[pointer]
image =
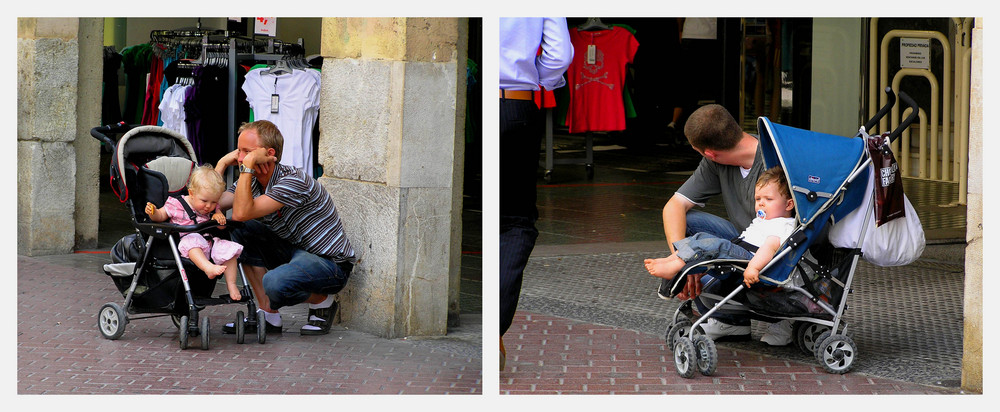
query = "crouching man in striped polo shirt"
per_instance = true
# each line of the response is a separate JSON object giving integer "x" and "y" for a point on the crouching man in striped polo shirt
{"x": 295, "y": 248}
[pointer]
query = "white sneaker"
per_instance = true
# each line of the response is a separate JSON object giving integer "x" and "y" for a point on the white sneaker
{"x": 778, "y": 334}
{"x": 716, "y": 330}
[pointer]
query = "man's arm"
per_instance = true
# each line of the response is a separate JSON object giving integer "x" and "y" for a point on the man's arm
{"x": 245, "y": 206}
{"x": 675, "y": 219}
{"x": 557, "y": 53}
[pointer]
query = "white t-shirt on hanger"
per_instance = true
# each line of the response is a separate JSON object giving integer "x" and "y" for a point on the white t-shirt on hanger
{"x": 297, "y": 109}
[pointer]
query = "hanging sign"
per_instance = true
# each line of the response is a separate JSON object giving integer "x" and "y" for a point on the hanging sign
{"x": 265, "y": 26}
{"x": 915, "y": 53}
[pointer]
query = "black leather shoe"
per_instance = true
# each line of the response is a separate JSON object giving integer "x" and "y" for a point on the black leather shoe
{"x": 230, "y": 328}
{"x": 322, "y": 325}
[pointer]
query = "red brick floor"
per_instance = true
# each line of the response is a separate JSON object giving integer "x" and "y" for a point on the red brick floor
{"x": 551, "y": 355}
{"x": 61, "y": 351}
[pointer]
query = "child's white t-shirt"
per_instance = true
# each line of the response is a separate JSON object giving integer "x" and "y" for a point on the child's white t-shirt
{"x": 760, "y": 229}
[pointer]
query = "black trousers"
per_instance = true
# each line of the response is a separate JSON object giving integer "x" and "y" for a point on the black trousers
{"x": 521, "y": 130}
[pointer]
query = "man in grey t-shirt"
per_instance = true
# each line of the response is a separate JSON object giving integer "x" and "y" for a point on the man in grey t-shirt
{"x": 731, "y": 165}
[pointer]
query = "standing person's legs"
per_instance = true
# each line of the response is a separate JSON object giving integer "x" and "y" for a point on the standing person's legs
{"x": 521, "y": 130}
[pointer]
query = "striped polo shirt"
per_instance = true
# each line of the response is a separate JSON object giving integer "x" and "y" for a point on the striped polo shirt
{"x": 308, "y": 218}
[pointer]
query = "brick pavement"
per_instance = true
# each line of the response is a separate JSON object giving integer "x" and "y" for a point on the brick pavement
{"x": 60, "y": 351}
{"x": 553, "y": 355}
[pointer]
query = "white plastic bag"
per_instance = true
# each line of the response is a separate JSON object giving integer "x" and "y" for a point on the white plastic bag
{"x": 897, "y": 242}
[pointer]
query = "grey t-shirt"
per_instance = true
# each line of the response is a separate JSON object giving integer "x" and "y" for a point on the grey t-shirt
{"x": 711, "y": 178}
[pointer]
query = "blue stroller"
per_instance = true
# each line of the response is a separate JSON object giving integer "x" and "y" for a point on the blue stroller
{"x": 808, "y": 280}
{"x": 149, "y": 164}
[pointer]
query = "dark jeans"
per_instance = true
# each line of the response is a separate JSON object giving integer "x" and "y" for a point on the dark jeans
{"x": 521, "y": 130}
{"x": 293, "y": 273}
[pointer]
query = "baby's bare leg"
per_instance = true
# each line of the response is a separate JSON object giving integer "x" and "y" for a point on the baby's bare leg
{"x": 201, "y": 261}
{"x": 234, "y": 291}
{"x": 665, "y": 268}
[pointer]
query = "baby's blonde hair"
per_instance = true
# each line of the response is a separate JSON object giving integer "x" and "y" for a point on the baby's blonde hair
{"x": 205, "y": 180}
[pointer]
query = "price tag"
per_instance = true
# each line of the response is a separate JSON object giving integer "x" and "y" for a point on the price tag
{"x": 592, "y": 54}
{"x": 274, "y": 103}
{"x": 265, "y": 26}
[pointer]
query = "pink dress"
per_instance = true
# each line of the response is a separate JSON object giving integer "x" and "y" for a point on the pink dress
{"x": 219, "y": 250}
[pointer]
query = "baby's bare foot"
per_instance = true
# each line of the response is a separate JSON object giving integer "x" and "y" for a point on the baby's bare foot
{"x": 234, "y": 292}
{"x": 214, "y": 271}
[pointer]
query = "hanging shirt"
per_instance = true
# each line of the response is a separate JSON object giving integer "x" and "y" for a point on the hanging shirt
{"x": 596, "y": 77}
{"x": 172, "y": 109}
{"x": 297, "y": 98}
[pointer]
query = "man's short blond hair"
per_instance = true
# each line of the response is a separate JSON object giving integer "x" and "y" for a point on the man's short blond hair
{"x": 268, "y": 135}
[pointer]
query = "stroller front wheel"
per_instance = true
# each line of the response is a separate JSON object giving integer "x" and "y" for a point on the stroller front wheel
{"x": 111, "y": 321}
{"x": 708, "y": 355}
{"x": 685, "y": 357}
{"x": 836, "y": 353}
{"x": 677, "y": 330}
{"x": 183, "y": 329}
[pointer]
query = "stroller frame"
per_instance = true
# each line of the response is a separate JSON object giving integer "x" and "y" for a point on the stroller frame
{"x": 113, "y": 317}
{"x": 826, "y": 339}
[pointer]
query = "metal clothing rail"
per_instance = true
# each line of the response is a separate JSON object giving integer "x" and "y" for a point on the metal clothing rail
{"x": 224, "y": 48}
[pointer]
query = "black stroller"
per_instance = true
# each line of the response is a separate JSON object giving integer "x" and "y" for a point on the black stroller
{"x": 149, "y": 164}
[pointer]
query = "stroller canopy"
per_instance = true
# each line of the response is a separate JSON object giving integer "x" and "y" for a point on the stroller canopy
{"x": 817, "y": 166}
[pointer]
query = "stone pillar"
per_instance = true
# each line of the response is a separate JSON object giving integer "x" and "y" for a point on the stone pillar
{"x": 972, "y": 356}
{"x": 391, "y": 140}
{"x": 47, "y": 73}
{"x": 88, "y": 115}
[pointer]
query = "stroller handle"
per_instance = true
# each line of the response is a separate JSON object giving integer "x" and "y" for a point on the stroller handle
{"x": 890, "y": 101}
{"x": 101, "y": 132}
{"x": 909, "y": 119}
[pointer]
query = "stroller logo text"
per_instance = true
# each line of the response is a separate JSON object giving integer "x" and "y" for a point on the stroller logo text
{"x": 889, "y": 174}
{"x": 813, "y": 179}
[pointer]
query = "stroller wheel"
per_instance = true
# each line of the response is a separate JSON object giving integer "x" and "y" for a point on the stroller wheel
{"x": 807, "y": 336}
{"x": 685, "y": 357}
{"x": 836, "y": 353}
{"x": 261, "y": 327}
{"x": 205, "y": 336}
{"x": 677, "y": 330}
{"x": 241, "y": 327}
{"x": 176, "y": 319}
{"x": 183, "y": 329}
{"x": 111, "y": 321}
{"x": 708, "y": 355}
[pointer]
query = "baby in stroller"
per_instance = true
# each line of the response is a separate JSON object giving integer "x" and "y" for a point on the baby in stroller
{"x": 758, "y": 243}
{"x": 205, "y": 188}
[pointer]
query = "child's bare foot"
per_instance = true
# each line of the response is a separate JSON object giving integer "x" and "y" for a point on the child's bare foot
{"x": 664, "y": 268}
{"x": 213, "y": 271}
{"x": 234, "y": 292}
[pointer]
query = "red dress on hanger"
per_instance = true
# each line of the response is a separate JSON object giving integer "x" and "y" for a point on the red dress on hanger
{"x": 596, "y": 77}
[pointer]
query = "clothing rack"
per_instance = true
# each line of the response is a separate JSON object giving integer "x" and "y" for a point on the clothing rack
{"x": 224, "y": 48}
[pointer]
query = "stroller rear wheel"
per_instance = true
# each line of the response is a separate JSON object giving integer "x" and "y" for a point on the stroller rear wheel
{"x": 261, "y": 327}
{"x": 111, "y": 321}
{"x": 836, "y": 353}
{"x": 677, "y": 330}
{"x": 807, "y": 336}
{"x": 685, "y": 357}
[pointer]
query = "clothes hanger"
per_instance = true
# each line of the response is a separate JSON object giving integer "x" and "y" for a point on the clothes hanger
{"x": 593, "y": 24}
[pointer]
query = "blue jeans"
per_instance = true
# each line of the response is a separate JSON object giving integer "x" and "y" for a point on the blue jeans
{"x": 293, "y": 273}
{"x": 715, "y": 226}
{"x": 704, "y": 246}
